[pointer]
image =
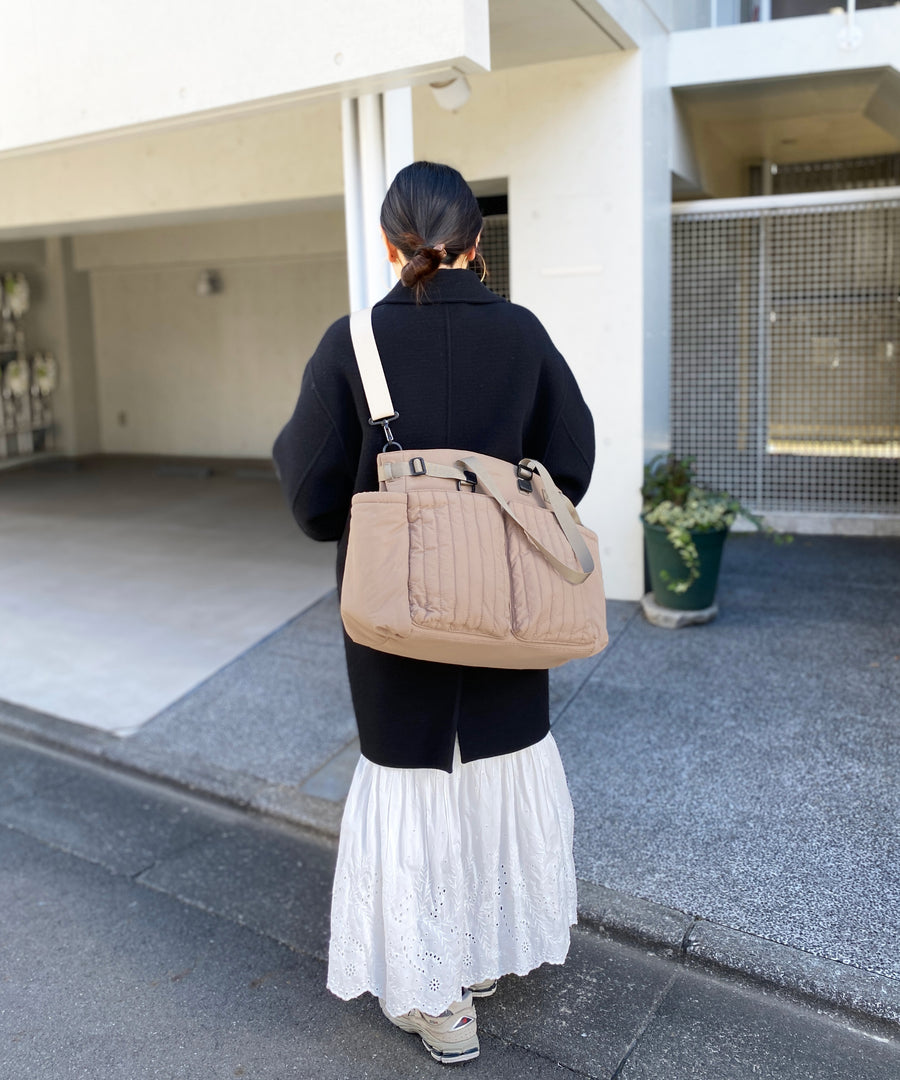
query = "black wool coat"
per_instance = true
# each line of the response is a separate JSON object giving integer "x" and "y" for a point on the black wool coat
{"x": 468, "y": 370}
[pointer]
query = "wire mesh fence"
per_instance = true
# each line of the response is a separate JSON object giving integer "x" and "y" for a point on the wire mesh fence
{"x": 495, "y": 249}
{"x": 786, "y": 376}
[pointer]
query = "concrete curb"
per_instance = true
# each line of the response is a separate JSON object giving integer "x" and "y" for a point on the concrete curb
{"x": 826, "y": 984}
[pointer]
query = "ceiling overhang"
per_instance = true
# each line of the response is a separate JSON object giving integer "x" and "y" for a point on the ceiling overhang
{"x": 809, "y": 118}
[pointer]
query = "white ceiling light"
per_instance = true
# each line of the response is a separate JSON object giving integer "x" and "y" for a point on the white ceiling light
{"x": 453, "y": 93}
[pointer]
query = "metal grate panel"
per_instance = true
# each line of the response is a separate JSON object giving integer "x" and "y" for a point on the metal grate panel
{"x": 495, "y": 249}
{"x": 786, "y": 379}
{"x": 838, "y": 175}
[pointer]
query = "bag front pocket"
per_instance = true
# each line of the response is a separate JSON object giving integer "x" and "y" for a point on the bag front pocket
{"x": 545, "y": 607}
{"x": 458, "y": 577}
{"x": 374, "y": 603}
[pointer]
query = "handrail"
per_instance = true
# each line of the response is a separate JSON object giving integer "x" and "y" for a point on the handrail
{"x": 757, "y": 203}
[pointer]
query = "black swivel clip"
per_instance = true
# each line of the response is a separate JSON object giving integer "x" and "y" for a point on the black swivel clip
{"x": 390, "y": 442}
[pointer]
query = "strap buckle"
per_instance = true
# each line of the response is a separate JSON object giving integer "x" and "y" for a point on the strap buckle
{"x": 470, "y": 479}
{"x": 524, "y": 476}
{"x": 417, "y": 466}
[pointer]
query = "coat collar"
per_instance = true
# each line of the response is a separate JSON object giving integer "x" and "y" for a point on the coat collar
{"x": 446, "y": 287}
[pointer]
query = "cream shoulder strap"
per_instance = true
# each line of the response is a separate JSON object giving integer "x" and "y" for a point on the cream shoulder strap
{"x": 375, "y": 386}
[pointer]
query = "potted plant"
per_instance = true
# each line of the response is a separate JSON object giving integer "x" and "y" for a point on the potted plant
{"x": 685, "y": 528}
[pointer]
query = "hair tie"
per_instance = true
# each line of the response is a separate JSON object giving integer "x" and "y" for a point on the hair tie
{"x": 441, "y": 250}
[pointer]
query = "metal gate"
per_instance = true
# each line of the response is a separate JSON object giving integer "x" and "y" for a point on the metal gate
{"x": 785, "y": 335}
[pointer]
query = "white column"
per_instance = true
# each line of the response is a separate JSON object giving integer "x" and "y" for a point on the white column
{"x": 377, "y": 141}
{"x": 353, "y": 205}
{"x": 398, "y": 130}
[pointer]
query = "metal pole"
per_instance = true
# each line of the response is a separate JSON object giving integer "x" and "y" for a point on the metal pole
{"x": 850, "y": 35}
{"x": 764, "y": 330}
{"x": 766, "y": 176}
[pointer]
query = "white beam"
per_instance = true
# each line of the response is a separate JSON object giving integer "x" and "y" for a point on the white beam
{"x": 783, "y": 48}
{"x": 137, "y": 65}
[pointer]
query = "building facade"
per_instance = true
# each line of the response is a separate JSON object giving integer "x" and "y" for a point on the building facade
{"x": 143, "y": 148}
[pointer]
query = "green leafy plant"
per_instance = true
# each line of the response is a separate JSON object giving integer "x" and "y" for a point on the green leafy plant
{"x": 673, "y": 499}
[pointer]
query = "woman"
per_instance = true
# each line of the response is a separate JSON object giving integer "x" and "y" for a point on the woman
{"x": 455, "y": 856}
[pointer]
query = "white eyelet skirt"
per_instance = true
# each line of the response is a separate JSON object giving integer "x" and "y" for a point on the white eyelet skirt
{"x": 447, "y": 879}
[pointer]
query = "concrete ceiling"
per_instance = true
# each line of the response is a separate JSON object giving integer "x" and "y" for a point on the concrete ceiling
{"x": 811, "y": 118}
{"x": 535, "y": 31}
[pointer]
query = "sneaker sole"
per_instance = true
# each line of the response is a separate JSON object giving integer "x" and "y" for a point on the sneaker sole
{"x": 487, "y": 992}
{"x": 446, "y": 1057}
{"x": 450, "y": 1057}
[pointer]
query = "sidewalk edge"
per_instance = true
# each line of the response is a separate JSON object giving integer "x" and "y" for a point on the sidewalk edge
{"x": 830, "y": 985}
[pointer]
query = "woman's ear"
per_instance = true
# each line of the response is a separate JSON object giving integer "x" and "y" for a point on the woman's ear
{"x": 470, "y": 254}
{"x": 391, "y": 250}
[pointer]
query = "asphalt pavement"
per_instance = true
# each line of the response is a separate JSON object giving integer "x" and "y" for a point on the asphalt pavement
{"x": 147, "y": 932}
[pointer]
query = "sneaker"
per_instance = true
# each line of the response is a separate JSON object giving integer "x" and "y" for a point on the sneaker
{"x": 450, "y": 1037}
{"x": 483, "y": 989}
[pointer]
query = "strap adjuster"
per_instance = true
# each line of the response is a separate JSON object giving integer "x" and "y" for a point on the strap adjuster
{"x": 470, "y": 479}
{"x": 524, "y": 476}
{"x": 417, "y": 466}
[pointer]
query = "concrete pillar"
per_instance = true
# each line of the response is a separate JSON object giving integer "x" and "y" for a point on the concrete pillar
{"x": 377, "y": 134}
{"x": 71, "y": 339}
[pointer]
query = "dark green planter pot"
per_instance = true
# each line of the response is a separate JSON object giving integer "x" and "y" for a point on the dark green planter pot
{"x": 662, "y": 556}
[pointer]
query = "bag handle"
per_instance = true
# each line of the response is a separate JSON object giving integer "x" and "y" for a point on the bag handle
{"x": 472, "y": 465}
{"x": 554, "y": 497}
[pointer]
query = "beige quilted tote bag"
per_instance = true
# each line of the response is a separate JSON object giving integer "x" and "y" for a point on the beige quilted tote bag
{"x": 462, "y": 558}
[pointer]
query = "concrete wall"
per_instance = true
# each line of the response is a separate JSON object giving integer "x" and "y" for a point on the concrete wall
{"x": 568, "y": 137}
{"x": 267, "y": 159}
{"x": 213, "y": 375}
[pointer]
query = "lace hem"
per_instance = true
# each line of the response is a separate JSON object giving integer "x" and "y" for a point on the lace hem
{"x": 446, "y": 879}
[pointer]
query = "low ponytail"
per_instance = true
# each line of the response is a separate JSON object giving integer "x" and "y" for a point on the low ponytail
{"x": 432, "y": 217}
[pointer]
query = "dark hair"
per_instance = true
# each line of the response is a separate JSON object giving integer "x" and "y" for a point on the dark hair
{"x": 431, "y": 215}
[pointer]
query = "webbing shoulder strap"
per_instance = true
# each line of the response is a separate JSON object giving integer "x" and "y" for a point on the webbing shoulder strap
{"x": 375, "y": 386}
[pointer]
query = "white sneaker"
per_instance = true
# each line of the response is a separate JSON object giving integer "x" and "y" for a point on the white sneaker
{"x": 450, "y": 1037}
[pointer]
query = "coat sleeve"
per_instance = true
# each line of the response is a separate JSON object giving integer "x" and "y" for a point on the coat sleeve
{"x": 316, "y": 453}
{"x": 560, "y": 431}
